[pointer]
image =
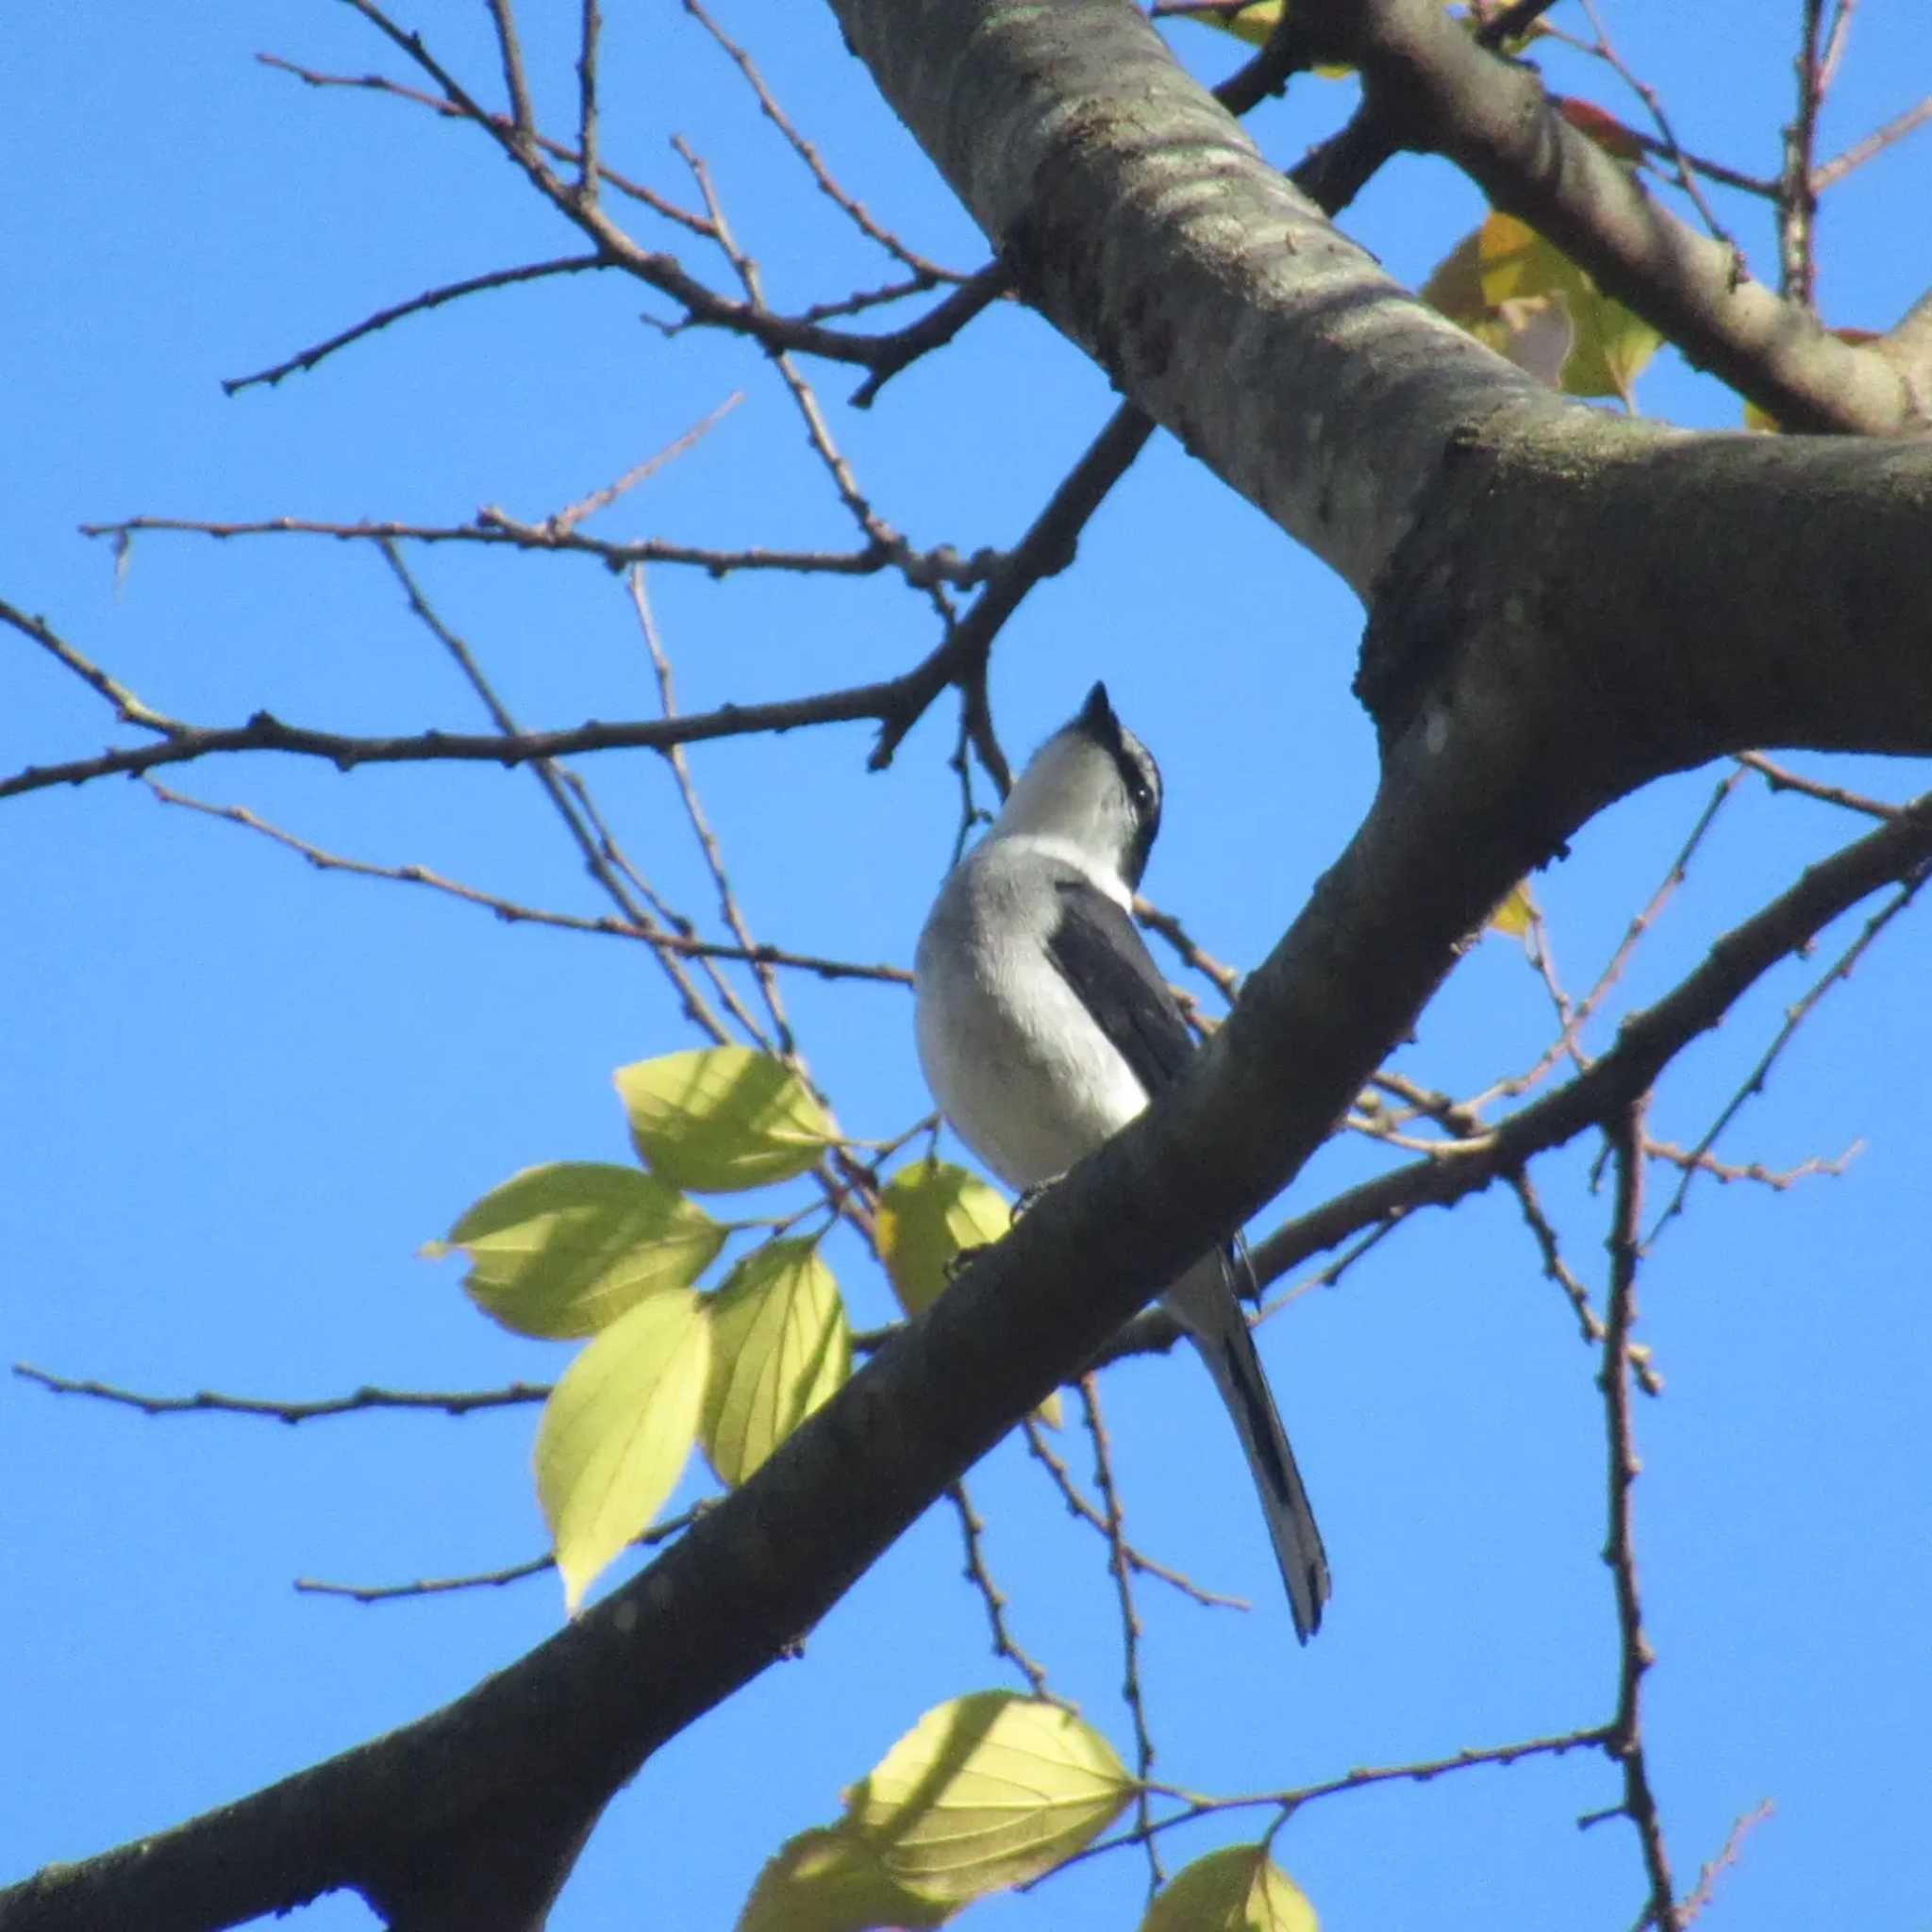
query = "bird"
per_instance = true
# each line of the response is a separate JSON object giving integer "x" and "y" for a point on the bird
{"x": 1043, "y": 1026}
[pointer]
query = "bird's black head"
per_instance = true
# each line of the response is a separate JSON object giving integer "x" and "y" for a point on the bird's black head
{"x": 1140, "y": 778}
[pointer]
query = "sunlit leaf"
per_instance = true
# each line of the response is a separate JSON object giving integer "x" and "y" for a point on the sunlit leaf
{"x": 1511, "y": 288}
{"x": 780, "y": 1348}
{"x": 722, "y": 1117}
{"x": 1256, "y": 22}
{"x": 929, "y": 1214}
{"x": 1516, "y": 913}
{"x": 1610, "y": 347}
{"x": 617, "y": 1432}
{"x": 1239, "y": 1888}
{"x": 1535, "y": 332}
{"x": 563, "y": 1250}
{"x": 832, "y": 1881}
{"x": 986, "y": 1791}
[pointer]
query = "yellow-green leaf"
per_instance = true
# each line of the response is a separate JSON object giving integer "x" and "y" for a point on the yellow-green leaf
{"x": 831, "y": 1881}
{"x": 1237, "y": 1890}
{"x": 1515, "y": 913}
{"x": 1610, "y": 345}
{"x": 617, "y": 1432}
{"x": 930, "y": 1214}
{"x": 563, "y": 1250}
{"x": 1511, "y": 288}
{"x": 722, "y": 1117}
{"x": 780, "y": 1348}
{"x": 1254, "y": 23}
{"x": 986, "y": 1791}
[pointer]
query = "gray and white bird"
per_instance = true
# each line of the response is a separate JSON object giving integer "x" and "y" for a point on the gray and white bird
{"x": 1044, "y": 1026}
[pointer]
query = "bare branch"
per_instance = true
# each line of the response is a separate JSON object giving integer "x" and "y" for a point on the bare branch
{"x": 486, "y": 1579}
{"x": 449, "y": 111}
{"x": 854, "y": 210}
{"x": 587, "y": 103}
{"x": 513, "y": 913}
{"x": 1079, "y": 1506}
{"x": 417, "y": 304}
{"x": 1701, "y": 1893}
{"x": 1121, "y": 1569}
{"x": 1829, "y": 173}
{"x": 1840, "y": 970}
{"x": 1624, "y": 1741}
{"x": 1797, "y": 183}
{"x": 1647, "y": 1043}
{"x": 972, "y": 1533}
{"x": 515, "y": 85}
{"x": 206, "y": 1402}
{"x": 567, "y": 519}
{"x": 1494, "y": 121}
{"x": 494, "y": 528}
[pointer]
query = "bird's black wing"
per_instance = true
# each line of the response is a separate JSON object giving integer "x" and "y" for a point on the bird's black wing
{"x": 1100, "y": 954}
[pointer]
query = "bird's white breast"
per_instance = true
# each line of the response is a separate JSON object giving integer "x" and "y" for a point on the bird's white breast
{"x": 1028, "y": 1080}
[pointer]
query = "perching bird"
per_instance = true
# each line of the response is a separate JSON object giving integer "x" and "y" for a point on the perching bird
{"x": 1044, "y": 1026}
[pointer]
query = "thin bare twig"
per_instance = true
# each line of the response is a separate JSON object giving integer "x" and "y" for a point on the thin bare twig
{"x": 556, "y": 788}
{"x": 1624, "y": 1741}
{"x": 495, "y": 528}
{"x": 573, "y": 514}
{"x": 416, "y": 304}
{"x": 1566, "y": 1041}
{"x": 449, "y": 111}
{"x": 1782, "y": 778}
{"x": 701, "y": 827}
{"x": 1797, "y": 211}
{"x": 1700, "y": 1894}
{"x": 587, "y": 102}
{"x": 1120, "y": 1571}
{"x": 1647, "y": 1041}
{"x": 1869, "y": 147}
{"x": 1423, "y": 1771}
{"x": 206, "y": 1402}
{"x": 1078, "y": 1505}
{"x": 1795, "y": 1016}
{"x": 523, "y": 119}
{"x": 931, "y": 272}
{"x": 485, "y": 1579}
{"x": 972, "y": 1533}
{"x": 513, "y": 913}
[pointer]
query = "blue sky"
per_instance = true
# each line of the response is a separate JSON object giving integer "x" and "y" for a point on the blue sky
{"x": 238, "y": 1096}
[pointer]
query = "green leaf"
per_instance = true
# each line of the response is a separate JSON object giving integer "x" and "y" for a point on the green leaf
{"x": 617, "y": 1432}
{"x": 1610, "y": 344}
{"x": 987, "y": 1791}
{"x": 1515, "y": 914}
{"x": 563, "y": 1250}
{"x": 780, "y": 1348}
{"x": 722, "y": 1117}
{"x": 1237, "y": 1890}
{"x": 1529, "y": 301}
{"x": 930, "y": 1214}
{"x": 831, "y": 1881}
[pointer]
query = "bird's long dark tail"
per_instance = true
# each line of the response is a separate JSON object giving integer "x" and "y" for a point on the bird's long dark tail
{"x": 1204, "y": 1303}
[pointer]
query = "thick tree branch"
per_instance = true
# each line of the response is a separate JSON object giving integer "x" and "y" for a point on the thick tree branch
{"x": 1437, "y": 89}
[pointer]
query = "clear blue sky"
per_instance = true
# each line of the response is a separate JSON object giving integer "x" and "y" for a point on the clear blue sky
{"x": 234, "y": 1096}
